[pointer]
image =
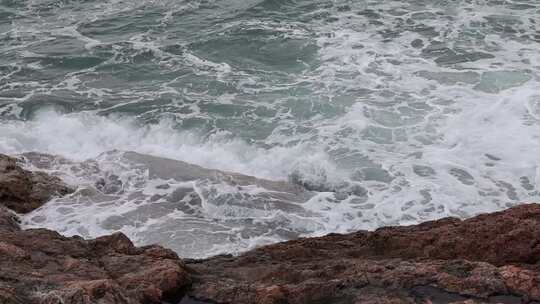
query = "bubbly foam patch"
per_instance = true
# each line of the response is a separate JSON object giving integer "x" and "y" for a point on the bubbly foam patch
{"x": 193, "y": 210}
{"x": 392, "y": 112}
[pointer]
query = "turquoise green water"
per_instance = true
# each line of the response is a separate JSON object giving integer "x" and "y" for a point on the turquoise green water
{"x": 402, "y": 111}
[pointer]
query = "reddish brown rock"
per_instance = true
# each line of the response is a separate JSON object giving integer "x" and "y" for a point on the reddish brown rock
{"x": 23, "y": 191}
{"x": 41, "y": 266}
{"x": 492, "y": 258}
{"x": 511, "y": 236}
{"x": 522, "y": 281}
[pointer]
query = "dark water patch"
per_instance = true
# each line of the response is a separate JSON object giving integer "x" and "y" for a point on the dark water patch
{"x": 424, "y": 30}
{"x": 455, "y": 57}
{"x": 423, "y": 171}
{"x": 151, "y": 106}
{"x": 303, "y": 108}
{"x": 509, "y": 189}
{"x": 526, "y": 183}
{"x": 436, "y": 49}
{"x": 61, "y": 103}
{"x": 120, "y": 26}
{"x": 257, "y": 130}
{"x": 369, "y": 13}
{"x": 463, "y": 176}
{"x": 377, "y": 174}
{"x": 258, "y": 48}
{"x": 126, "y": 76}
{"x": 174, "y": 49}
{"x": 273, "y": 5}
{"x": 492, "y": 157}
{"x": 444, "y": 55}
{"x": 496, "y": 81}
{"x": 12, "y": 3}
{"x": 59, "y": 46}
{"x": 66, "y": 64}
{"x": 5, "y": 16}
{"x": 521, "y": 6}
{"x": 504, "y": 24}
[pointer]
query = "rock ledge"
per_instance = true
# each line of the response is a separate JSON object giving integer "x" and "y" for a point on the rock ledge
{"x": 491, "y": 258}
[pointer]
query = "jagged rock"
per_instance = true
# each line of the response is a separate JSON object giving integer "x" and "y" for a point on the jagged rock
{"x": 481, "y": 238}
{"x": 23, "y": 191}
{"x": 491, "y": 258}
{"x": 41, "y": 266}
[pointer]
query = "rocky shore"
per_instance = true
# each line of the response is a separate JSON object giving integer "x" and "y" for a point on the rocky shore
{"x": 491, "y": 258}
{"x": 41, "y": 266}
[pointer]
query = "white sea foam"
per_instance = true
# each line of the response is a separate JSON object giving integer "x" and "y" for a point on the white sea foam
{"x": 397, "y": 112}
{"x": 85, "y": 135}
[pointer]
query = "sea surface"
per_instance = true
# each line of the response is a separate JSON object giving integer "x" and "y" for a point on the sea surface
{"x": 257, "y": 121}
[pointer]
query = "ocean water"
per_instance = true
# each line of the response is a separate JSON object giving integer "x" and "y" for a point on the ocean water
{"x": 258, "y": 121}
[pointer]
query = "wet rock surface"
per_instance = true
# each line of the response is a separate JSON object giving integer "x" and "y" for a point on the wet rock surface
{"x": 41, "y": 266}
{"x": 23, "y": 191}
{"x": 491, "y": 258}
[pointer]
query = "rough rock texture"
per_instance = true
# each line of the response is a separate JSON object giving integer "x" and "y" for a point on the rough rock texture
{"x": 23, "y": 191}
{"x": 8, "y": 221}
{"x": 492, "y": 258}
{"x": 41, "y": 266}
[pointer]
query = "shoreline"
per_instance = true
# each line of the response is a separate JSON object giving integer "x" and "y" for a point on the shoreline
{"x": 490, "y": 258}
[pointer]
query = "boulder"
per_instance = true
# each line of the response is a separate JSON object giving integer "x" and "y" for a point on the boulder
{"x": 41, "y": 266}
{"x": 22, "y": 190}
